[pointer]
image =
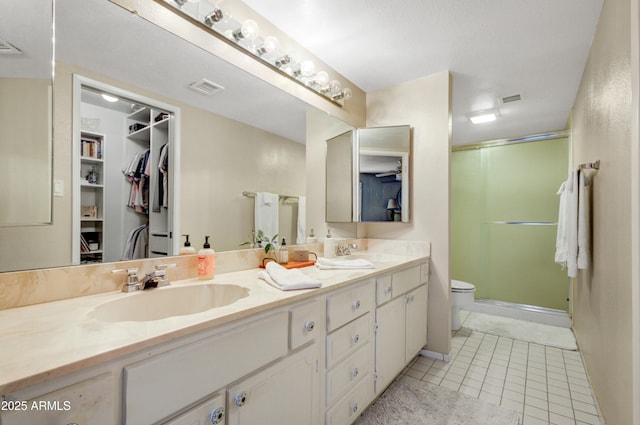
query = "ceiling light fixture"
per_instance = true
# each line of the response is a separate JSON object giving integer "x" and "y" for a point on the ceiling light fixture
{"x": 482, "y": 117}
{"x": 109, "y": 98}
{"x": 246, "y": 37}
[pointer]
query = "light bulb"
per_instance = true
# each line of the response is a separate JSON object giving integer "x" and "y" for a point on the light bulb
{"x": 335, "y": 86}
{"x": 322, "y": 78}
{"x": 347, "y": 93}
{"x": 249, "y": 30}
{"x": 214, "y": 17}
{"x": 271, "y": 44}
{"x": 306, "y": 68}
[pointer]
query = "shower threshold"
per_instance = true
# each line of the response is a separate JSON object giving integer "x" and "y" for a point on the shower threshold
{"x": 547, "y": 316}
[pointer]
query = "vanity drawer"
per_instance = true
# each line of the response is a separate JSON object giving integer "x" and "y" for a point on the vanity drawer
{"x": 173, "y": 380}
{"x": 307, "y": 322}
{"x": 348, "y": 372}
{"x": 348, "y": 408}
{"x": 159, "y": 244}
{"x": 383, "y": 289}
{"x": 348, "y": 339}
{"x": 405, "y": 280}
{"x": 348, "y": 304}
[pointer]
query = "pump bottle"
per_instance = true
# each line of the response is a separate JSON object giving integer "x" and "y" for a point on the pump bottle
{"x": 206, "y": 261}
{"x": 187, "y": 249}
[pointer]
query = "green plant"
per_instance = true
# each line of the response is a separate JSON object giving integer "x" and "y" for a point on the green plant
{"x": 258, "y": 238}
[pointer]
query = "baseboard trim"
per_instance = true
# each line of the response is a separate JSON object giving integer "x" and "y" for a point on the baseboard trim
{"x": 434, "y": 355}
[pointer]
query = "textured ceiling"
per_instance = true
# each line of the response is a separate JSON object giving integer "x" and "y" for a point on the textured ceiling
{"x": 493, "y": 48}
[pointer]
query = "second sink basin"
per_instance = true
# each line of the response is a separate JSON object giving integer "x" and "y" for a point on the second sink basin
{"x": 156, "y": 304}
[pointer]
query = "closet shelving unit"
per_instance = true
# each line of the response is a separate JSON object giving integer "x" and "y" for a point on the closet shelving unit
{"x": 92, "y": 156}
{"x": 153, "y": 134}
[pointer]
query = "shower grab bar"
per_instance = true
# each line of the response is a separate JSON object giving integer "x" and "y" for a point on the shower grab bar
{"x": 526, "y": 223}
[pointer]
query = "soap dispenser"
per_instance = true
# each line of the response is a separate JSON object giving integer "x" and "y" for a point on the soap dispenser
{"x": 283, "y": 253}
{"x": 187, "y": 249}
{"x": 312, "y": 237}
{"x": 206, "y": 261}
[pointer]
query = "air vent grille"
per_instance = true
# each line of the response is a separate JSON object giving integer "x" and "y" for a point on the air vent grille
{"x": 206, "y": 87}
{"x": 512, "y": 98}
{"x": 8, "y": 48}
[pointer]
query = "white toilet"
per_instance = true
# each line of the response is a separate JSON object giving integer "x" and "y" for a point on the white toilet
{"x": 461, "y": 295}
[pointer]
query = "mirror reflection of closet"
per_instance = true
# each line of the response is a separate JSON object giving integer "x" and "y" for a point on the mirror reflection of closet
{"x": 367, "y": 173}
{"x": 125, "y": 173}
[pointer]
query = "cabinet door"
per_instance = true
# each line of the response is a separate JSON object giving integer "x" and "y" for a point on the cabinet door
{"x": 285, "y": 393}
{"x": 416, "y": 330}
{"x": 85, "y": 403}
{"x": 390, "y": 342}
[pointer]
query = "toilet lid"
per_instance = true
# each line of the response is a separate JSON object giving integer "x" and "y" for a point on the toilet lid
{"x": 460, "y": 286}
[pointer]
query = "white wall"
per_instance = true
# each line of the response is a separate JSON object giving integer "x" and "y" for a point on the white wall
{"x": 425, "y": 104}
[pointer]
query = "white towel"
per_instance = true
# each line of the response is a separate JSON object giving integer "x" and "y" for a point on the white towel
{"x": 285, "y": 279}
{"x": 572, "y": 239}
{"x": 301, "y": 237}
{"x": 266, "y": 213}
{"x": 329, "y": 264}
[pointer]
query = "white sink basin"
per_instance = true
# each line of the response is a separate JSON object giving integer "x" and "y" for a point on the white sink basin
{"x": 156, "y": 304}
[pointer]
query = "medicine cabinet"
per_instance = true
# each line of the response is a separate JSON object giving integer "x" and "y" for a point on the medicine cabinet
{"x": 367, "y": 175}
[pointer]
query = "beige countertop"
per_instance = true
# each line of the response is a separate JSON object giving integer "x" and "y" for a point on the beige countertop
{"x": 44, "y": 341}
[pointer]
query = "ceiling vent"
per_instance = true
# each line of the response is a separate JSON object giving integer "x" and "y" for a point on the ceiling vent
{"x": 8, "y": 48}
{"x": 512, "y": 98}
{"x": 207, "y": 87}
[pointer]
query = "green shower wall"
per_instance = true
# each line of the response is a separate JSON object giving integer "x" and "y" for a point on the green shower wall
{"x": 514, "y": 183}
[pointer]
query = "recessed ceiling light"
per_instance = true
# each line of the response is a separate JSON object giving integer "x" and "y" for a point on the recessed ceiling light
{"x": 109, "y": 98}
{"x": 483, "y": 117}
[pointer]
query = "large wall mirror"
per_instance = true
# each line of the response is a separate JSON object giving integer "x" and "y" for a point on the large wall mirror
{"x": 249, "y": 136}
{"x": 368, "y": 175}
{"x": 26, "y": 59}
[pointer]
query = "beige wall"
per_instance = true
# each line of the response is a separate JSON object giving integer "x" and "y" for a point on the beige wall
{"x": 220, "y": 159}
{"x": 601, "y": 129}
{"x": 425, "y": 104}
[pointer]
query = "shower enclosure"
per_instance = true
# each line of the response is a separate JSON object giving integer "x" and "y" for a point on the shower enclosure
{"x": 504, "y": 214}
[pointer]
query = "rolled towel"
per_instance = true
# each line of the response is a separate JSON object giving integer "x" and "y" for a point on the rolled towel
{"x": 331, "y": 264}
{"x": 285, "y": 279}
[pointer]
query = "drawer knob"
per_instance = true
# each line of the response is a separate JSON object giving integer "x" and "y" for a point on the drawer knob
{"x": 354, "y": 407}
{"x": 310, "y": 325}
{"x": 217, "y": 416}
{"x": 355, "y": 338}
{"x": 356, "y": 304}
{"x": 354, "y": 372}
{"x": 241, "y": 399}
{"x": 387, "y": 290}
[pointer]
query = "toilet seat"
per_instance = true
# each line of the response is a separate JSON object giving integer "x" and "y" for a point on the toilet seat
{"x": 460, "y": 286}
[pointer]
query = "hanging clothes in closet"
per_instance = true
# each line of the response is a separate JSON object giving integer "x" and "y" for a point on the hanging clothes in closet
{"x": 162, "y": 188}
{"x": 137, "y": 172}
{"x": 137, "y": 243}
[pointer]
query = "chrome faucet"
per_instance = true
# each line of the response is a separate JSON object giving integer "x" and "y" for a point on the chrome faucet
{"x": 345, "y": 249}
{"x": 155, "y": 279}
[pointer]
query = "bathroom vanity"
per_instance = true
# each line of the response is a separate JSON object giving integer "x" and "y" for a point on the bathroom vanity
{"x": 268, "y": 356}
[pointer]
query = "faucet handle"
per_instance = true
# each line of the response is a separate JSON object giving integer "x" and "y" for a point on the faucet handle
{"x": 132, "y": 279}
{"x": 165, "y": 266}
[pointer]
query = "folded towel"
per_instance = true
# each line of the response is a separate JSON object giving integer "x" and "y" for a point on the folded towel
{"x": 285, "y": 279}
{"x": 329, "y": 264}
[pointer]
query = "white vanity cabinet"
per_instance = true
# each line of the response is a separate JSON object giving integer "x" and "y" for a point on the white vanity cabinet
{"x": 401, "y": 322}
{"x": 349, "y": 352}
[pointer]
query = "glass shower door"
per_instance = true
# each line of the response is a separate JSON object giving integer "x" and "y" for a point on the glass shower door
{"x": 505, "y": 210}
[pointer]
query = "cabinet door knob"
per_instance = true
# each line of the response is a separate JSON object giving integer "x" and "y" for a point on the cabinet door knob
{"x": 241, "y": 398}
{"x": 355, "y": 338}
{"x": 310, "y": 325}
{"x": 356, "y": 304}
{"x": 354, "y": 372}
{"x": 217, "y": 416}
{"x": 354, "y": 407}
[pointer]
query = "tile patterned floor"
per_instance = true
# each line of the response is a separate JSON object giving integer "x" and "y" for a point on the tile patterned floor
{"x": 545, "y": 385}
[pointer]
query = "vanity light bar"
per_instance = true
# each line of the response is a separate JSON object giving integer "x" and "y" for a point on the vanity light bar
{"x": 245, "y": 36}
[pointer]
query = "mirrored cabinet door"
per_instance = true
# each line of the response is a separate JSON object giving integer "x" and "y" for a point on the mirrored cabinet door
{"x": 368, "y": 175}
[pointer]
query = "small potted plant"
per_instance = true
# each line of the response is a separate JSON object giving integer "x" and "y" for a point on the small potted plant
{"x": 260, "y": 240}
